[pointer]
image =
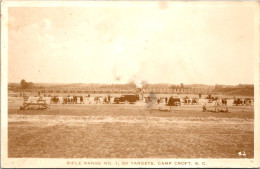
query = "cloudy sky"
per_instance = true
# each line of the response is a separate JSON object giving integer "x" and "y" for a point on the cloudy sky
{"x": 157, "y": 43}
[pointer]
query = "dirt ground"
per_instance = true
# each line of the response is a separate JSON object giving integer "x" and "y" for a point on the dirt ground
{"x": 129, "y": 131}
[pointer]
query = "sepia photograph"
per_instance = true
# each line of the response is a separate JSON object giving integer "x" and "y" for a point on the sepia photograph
{"x": 129, "y": 84}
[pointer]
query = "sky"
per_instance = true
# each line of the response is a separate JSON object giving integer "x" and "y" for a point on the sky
{"x": 157, "y": 43}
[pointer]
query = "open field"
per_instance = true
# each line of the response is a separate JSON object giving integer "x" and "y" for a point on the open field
{"x": 129, "y": 131}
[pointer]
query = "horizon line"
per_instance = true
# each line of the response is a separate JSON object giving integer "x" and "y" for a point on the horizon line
{"x": 136, "y": 83}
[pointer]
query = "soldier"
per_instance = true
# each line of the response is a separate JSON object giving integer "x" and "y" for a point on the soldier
{"x": 108, "y": 99}
{"x": 166, "y": 99}
{"x": 204, "y": 108}
{"x": 81, "y": 99}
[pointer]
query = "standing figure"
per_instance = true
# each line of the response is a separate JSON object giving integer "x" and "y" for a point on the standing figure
{"x": 108, "y": 99}
{"x": 158, "y": 101}
{"x": 81, "y": 99}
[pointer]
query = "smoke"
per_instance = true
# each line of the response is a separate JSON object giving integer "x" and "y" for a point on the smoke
{"x": 129, "y": 72}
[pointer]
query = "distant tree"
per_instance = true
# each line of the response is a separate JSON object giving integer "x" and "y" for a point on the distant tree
{"x": 29, "y": 84}
{"x": 25, "y": 85}
{"x": 182, "y": 86}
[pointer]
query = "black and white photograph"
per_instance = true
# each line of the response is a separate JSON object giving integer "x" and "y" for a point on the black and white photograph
{"x": 129, "y": 84}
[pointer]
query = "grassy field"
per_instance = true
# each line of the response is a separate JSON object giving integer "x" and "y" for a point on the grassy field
{"x": 129, "y": 131}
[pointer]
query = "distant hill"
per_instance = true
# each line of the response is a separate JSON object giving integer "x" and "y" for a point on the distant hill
{"x": 236, "y": 91}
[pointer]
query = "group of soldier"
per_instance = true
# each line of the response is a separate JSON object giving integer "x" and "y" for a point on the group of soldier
{"x": 80, "y": 99}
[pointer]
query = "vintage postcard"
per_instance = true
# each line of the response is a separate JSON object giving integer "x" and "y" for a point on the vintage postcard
{"x": 125, "y": 84}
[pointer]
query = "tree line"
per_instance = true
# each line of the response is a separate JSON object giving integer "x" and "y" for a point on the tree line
{"x": 26, "y": 85}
